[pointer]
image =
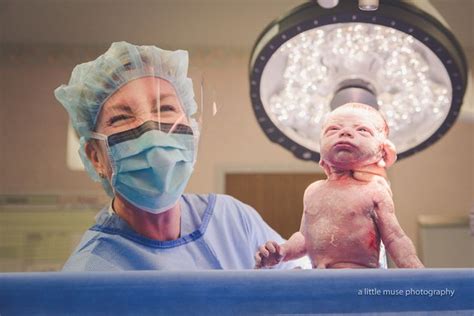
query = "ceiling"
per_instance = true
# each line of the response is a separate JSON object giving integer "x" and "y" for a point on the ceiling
{"x": 173, "y": 24}
{"x": 169, "y": 23}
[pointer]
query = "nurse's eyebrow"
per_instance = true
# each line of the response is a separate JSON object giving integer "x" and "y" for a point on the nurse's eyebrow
{"x": 121, "y": 107}
{"x": 165, "y": 95}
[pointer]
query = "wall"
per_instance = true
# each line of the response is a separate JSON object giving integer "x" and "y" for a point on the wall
{"x": 438, "y": 180}
{"x": 2, "y": 128}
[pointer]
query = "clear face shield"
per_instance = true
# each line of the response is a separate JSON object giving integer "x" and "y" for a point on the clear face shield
{"x": 146, "y": 101}
{"x": 148, "y": 133}
{"x": 138, "y": 114}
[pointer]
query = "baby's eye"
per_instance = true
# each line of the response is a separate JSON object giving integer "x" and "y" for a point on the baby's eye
{"x": 332, "y": 128}
{"x": 364, "y": 130}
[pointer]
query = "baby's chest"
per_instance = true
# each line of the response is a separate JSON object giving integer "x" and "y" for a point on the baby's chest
{"x": 340, "y": 200}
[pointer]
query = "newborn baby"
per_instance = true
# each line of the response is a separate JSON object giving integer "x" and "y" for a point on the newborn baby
{"x": 346, "y": 215}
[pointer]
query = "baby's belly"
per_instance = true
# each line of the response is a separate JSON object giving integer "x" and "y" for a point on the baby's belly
{"x": 350, "y": 241}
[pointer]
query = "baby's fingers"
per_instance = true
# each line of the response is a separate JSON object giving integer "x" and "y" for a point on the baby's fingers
{"x": 258, "y": 260}
{"x": 264, "y": 251}
{"x": 272, "y": 246}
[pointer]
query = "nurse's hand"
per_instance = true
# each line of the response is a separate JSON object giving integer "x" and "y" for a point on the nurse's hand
{"x": 269, "y": 255}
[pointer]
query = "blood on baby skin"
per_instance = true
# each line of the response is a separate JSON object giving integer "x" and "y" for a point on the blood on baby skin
{"x": 372, "y": 238}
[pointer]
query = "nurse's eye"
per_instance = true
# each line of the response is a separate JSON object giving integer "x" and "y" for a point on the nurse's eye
{"x": 118, "y": 118}
{"x": 167, "y": 108}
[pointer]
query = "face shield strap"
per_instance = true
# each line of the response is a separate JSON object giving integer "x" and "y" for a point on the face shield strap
{"x": 98, "y": 136}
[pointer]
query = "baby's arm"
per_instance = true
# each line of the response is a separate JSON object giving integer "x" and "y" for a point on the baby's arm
{"x": 271, "y": 253}
{"x": 294, "y": 248}
{"x": 398, "y": 245}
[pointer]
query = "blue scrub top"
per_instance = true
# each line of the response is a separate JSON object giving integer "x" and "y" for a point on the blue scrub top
{"x": 217, "y": 232}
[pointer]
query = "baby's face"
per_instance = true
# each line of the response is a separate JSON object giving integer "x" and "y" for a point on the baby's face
{"x": 352, "y": 138}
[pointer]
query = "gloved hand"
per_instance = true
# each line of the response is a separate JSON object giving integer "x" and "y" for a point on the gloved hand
{"x": 269, "y": 254}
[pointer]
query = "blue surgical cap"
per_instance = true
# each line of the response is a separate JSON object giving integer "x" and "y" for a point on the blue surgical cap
{"x": 92, "y": 83}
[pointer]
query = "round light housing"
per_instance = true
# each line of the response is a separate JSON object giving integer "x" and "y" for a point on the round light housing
{"x": 398, "y": 59}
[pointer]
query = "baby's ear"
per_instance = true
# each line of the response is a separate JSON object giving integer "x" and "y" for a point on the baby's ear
{"x": 389, "y": 154}
{"x": 325, "y": 167}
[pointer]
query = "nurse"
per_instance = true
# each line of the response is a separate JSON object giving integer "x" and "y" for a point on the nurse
{"x": 134, "y": 110}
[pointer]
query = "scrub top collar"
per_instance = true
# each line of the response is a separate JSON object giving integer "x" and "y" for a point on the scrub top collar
{"x": 107, "y": 221}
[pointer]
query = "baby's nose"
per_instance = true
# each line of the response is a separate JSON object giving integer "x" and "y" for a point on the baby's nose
{"x": 346, "y": 133}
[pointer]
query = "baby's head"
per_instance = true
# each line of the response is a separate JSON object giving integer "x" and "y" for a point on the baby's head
{"x": 354, "y": 135}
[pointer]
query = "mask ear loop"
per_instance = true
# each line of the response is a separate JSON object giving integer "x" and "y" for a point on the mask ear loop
{"x": 105, "y": 138}
{"x": 158, "y": 105}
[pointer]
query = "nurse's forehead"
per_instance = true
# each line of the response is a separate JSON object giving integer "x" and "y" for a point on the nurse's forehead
{"x": 135, "y": 88}
{"x": 151, "y": 84}
{"x": 165, "y": 86}
{"x": 132, "y": 93}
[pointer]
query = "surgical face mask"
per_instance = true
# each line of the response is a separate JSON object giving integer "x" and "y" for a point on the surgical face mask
{"x": 151, "y": 164}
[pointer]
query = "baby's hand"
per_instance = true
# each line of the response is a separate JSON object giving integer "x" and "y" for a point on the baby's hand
{"x": 269, "y": 255}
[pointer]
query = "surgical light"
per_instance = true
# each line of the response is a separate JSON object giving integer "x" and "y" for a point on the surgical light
{"x": 398, "y": 58}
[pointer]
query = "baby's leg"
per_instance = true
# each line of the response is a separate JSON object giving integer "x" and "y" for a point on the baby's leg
{"x": 348, "y": 265}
